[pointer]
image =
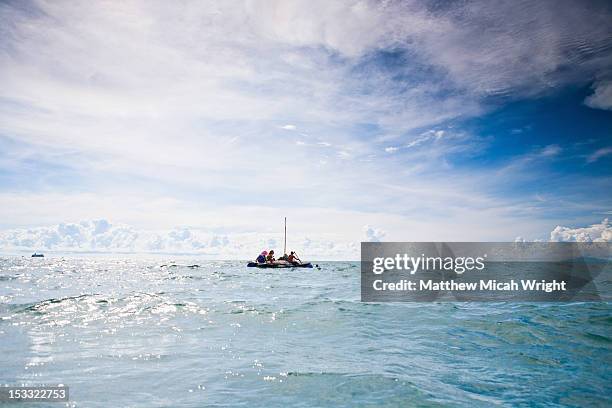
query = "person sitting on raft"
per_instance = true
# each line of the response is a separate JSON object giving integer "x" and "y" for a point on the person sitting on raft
{"x": 270, "y": 257}
{"x": 293, "y": 258}
{"x": 262, "y": 257}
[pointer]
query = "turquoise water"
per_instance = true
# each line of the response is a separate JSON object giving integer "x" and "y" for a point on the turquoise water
{"x": 132, "y": 333}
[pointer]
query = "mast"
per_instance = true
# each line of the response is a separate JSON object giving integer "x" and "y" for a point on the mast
{"x": 285, "y": 250}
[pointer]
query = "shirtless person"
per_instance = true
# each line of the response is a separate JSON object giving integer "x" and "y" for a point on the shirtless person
{"x": 293, "y": 258}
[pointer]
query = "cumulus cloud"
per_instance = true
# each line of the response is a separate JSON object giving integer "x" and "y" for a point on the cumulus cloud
{"x": 101, "y": 226}
{"x": 184, "y": 240}
{"x": 85, "y": 236}
{"x": 601, "y": 232}
{"x": 521, "y": 239}
{"x": 601, "y": 97}
{"x": 372, "y": 234}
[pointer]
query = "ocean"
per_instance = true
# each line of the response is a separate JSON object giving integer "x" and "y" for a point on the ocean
{"x": 192, "y": 333}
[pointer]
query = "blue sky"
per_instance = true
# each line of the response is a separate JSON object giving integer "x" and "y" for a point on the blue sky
{"x": 406, "y": 121}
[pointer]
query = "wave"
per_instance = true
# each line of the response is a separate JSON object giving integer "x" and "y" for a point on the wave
{"x": 94, "y": 306}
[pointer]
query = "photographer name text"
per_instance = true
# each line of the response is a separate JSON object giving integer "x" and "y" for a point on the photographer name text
{"x": 482, "y": 285}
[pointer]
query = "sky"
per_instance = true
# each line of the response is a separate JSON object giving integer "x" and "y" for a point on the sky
{"x": 195, "y": 127}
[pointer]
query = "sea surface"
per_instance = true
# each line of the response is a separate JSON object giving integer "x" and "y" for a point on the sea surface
{"x": 167, "y": 333}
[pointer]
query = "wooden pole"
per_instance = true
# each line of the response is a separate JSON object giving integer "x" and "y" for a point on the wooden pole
{"x": 285, "y": 251}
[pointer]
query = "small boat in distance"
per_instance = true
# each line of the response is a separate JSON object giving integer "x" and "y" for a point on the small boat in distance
{"x": 35, "y": 255}
{"x": 279, "y": 265}
{"x": 283, "y": 262}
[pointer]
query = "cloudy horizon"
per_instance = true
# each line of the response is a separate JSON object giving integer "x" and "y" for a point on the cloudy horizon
{"x": 104, "y": 237}
{"x": 196, "y": 127}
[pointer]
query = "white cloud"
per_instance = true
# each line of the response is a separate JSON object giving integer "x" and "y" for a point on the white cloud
{"x": 83, "y": 238}
{"x": 372, "y": 234}
{"x": 100, "y": 227}
{"x": 172, "y": 114}
{"x": 186, "y": 240}
{"x": 430, "y": 135}
{"x": 550, "y": 150}
{"x": 391, "y": 149}
{"x": 269, "y": 60}
{"x": 601, "y": 232}
{"x": 598, "y": 154}
{"x": 235, "y": 232}
{"x": 601, "y": 97}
